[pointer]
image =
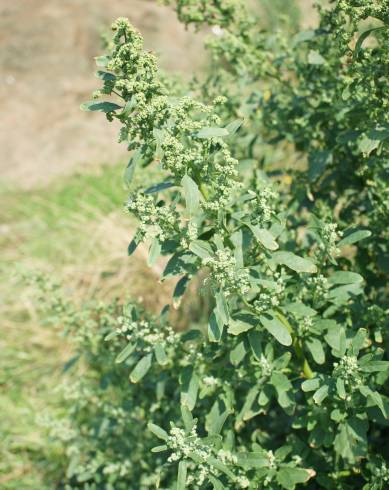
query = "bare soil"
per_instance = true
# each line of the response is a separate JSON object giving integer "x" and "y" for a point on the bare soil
{"x": 46, "y": 71}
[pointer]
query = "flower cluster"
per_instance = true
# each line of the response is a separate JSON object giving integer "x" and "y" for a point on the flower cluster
{"x": 330, "y": 236}
{"x": 348, "y": 370}
{"x": 160, "y": 222}
{"x": 263, "y": 205}
{"x": 225, "y": 274}
{"x": 146, "y": 333}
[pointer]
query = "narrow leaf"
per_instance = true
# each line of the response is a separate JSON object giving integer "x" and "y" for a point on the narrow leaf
{"x": 294, "y": 262}
{"x": 191, "y": 194}
{"x": 125, "y": 353}
{"x": 354, "y": 237}
{"x": 158, "y": 431}
{"x": 141, "y": 368}
{"x": 181, "y": 477}
{"x": 212, "y": 133}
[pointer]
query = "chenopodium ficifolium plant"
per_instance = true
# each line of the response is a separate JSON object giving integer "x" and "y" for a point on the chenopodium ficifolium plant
{"x": 286, "y": 389}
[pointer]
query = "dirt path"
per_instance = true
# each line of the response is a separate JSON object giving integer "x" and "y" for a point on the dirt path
{"x": 46, "y": 71}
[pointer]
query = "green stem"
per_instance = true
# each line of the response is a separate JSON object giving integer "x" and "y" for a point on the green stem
{"x": 204, "y": 191}
{"x": 298, "y": 348}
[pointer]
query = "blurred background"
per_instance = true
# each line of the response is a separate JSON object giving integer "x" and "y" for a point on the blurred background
{"x": 61, "y": 190}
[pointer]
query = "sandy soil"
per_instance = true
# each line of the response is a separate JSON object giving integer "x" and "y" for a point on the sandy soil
{"x": 46, "y": 71}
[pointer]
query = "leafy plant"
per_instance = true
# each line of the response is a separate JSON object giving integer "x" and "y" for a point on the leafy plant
{"x": 285, "y": 385}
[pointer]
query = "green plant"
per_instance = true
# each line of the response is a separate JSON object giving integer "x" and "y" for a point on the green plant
{"x": 285, "y": 385}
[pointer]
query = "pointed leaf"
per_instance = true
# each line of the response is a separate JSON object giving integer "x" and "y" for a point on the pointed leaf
{"x": 99, "y": 106}
{"x": 181, "y": 477}
{"x": 125, "y": 353}
{"x": 201, "y": 248}
{"x": 158, "y": 431}
{"x": 212, "y": 133}
{"x": 141, "y": 368}
{"x": 294, "y": 262}
{"x": 191, "y": 194}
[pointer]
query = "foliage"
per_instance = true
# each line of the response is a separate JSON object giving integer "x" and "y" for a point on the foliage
{"x": 285, "y": 385}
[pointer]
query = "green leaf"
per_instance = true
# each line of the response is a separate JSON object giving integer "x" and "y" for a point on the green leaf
{"x": 345, "y": 277}
{"x": 366, "y": 145}
{"x": 375, "y": 367}
{"x": 238, "y": 353}
{"x": 125, "y": 353}
{"x": 276, "y": 328}
{"x": 316, "y": 349}
{"x": 264, "y": 237}
{"x": 105, "y": 76}
{"x": 350, "y": 442}
{"x": 294, "y": 262}
{"x": 342, "y": 294}
{"x": 99, "y": 106}
{"x": 250, "y": 407}
{"x": 191, "y": 194}
{"x": 375, "y": 397}
{"x": 189, "y": 387}
{"x": 181, "y": 477}
{"x": 321, "y": 394}
{"x": 130, "y": 169}
{"x": 158, "y": 431}
{"x": 180, "y": 263}
{"x": 288, "y": 477}
{"x": 215, "y": 328}
{"x": 187, "y": 417}
{"x": 241, "y": 323}
{"x": 160, "y": 355}
{"x": 354, "y": 237}
{"x": 234, "y": 126}
{"x": 310, "y": 384}
{"x": 159, "y": 187}
{"x": 237, "y": 239}
{"x": 336, "y": 339}
{"x": 255, "y": 343}
{"x": 206, "y": 133}
{"x": 303, "y": 36}
{"x": 141, "y": 369}
{"x": 179, "y": 291}
{"x": 315, "y": 58}
{"x": 154, "y": 252}
{"x": 283, "y": 388}
{"x": 222, "y": 307}
{"x": 130, "y": 105}
{"x": 340, "y": 388}
{"x": 358, "y": 341}
{"x": 216, "y": 418}
{"x": 253, "y": 460}
{"x": 133, "y": 245}
{"x": 300, "y": 310}
{"x": 362, "y": 37}
{"x": 220, "y": 466}
{"x": 217, "y": 484}
{"x": 159, "y": 449}
{"x": 102, "y": 61}
{"x": 201, "y": 248}
{"x": 318, "y": 162}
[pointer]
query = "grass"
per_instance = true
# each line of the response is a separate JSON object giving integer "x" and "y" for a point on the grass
{"x": 74, "y": 231}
